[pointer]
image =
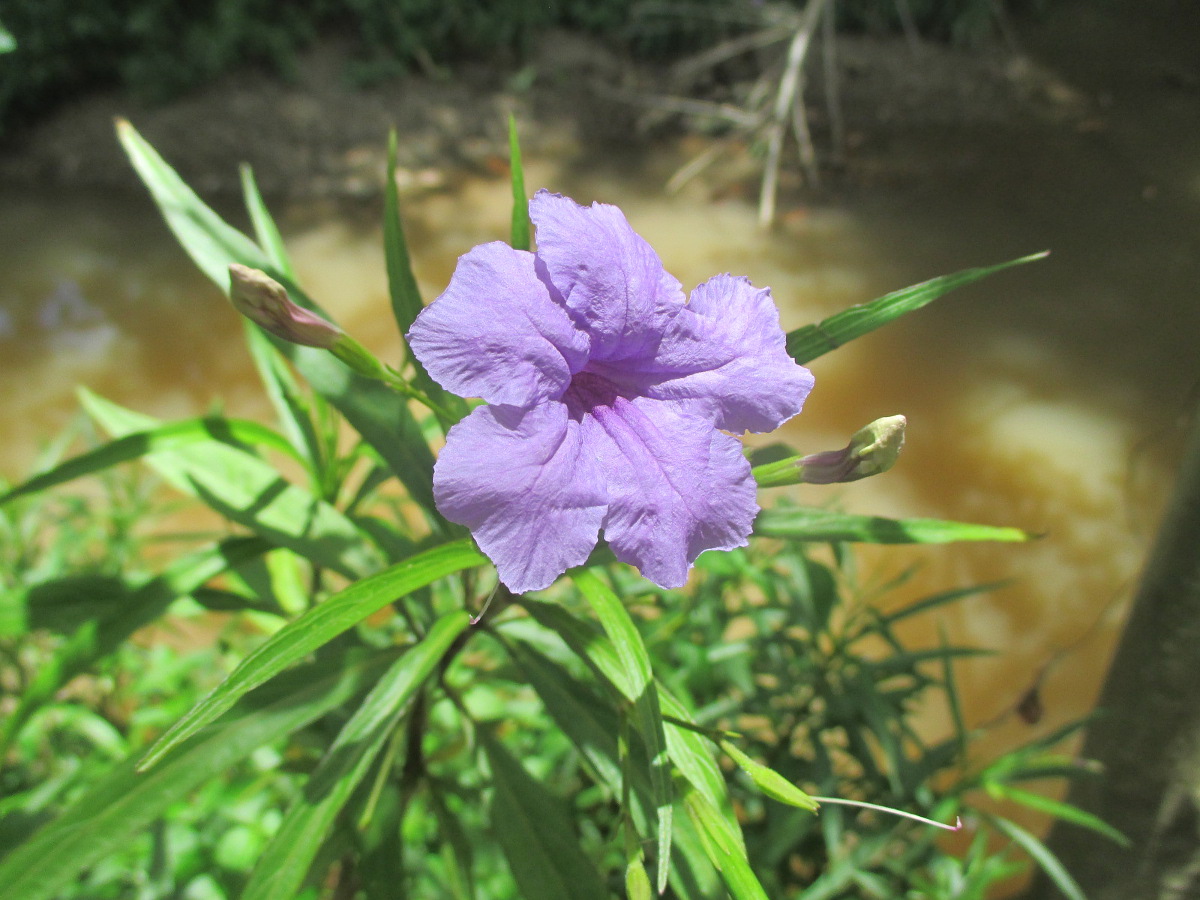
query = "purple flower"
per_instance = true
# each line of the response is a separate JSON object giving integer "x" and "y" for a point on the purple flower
{"x": 609, "y": 398}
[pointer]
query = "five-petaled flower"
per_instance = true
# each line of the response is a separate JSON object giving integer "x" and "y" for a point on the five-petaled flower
{"x": 609, "y": 398}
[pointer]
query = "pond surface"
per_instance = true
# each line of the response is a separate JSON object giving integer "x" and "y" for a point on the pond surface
{"x": 1050, "y": 396}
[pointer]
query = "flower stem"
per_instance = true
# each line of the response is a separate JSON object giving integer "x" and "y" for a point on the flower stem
{"x": 957, "y": 826}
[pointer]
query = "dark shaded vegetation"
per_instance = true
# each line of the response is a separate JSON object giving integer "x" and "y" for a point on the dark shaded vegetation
{"x": 158, "y": 49}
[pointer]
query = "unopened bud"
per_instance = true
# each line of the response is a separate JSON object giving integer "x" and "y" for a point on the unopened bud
{"x": 872, "y": 450}
{"x": 264, "y": 301}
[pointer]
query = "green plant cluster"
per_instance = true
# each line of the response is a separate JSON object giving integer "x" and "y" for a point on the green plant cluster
{"x": 376, "y": 716}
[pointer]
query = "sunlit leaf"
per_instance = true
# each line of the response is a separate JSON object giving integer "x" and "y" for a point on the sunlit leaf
{"x": 724, "y": 849}
{"x": 266, "y": 232}
{"x": 252, "y": 493}
{"x": 807, "y": 343}
{"x": 239, "y": 433}
{"x": 810, "y": 524}
{"x": 280, "y": 870}
{"x": 639, "y": 689}
{"x": 520, "y": 212}
{"x": 319, "y": 625}
{"x": 377, "y": 413}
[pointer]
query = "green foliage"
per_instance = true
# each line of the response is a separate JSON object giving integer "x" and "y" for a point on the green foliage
{"x": 354, "y": 729}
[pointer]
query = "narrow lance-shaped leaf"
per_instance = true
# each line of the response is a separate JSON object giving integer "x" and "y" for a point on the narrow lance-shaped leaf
{"x": 248, "y": 491}
{"x": 406, "y": 295}
{"x": 265, "y": 230}
{"x": 402, "y": 284}
{"x": 291, "y": 407}
{"x": 120, "y": 805}
{"x": 1041, "y": 854}
{"x": 520, "y": 212}
{"x": 640, "y": 690}
{"x": 807, "y": 524}
{"x": 316, "y": 627}
{"x": 238, "y": 433}
{"x": 723, "y": 848}
{"x": 536, "y": 834}
{"x": 378, "y": 413}
{"x": 280, "y": 870}
{"x": 807, "y": 343}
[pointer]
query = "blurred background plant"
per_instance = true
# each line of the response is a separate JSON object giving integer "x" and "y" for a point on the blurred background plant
{"x": 330, "y": 721}
{"x": 157, "y": 49}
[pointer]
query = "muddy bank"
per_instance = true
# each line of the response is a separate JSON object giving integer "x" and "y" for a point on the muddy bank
{"x": 319, "y": 138}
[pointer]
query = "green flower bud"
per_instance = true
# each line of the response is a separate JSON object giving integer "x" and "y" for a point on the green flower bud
{"x": 872, "y": 450}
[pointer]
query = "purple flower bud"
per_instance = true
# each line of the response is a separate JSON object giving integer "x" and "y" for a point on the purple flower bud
{"x": 872, "y": 450}
{"x": 264, "y": 301}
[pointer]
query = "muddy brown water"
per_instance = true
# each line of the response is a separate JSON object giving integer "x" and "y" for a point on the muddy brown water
{"x": 1049, "y": 397}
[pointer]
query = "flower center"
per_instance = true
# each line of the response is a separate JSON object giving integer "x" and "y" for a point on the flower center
{"x": 589, "y": 394}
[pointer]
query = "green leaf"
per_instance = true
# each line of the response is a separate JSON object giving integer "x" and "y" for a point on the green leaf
{"x": 593, "y": 647}
{"x": 95, "y": 639}
{"x": 379, "y": 414}
{"x": 404, "y": 292}
{"x": 724, "y": 848}
{"x": 265, "y": 229}
{"x": 318, "y": 626}
{"x": 281, "y": 869}
{"x": 402, "y": 284}
{"x": 691, "y": 752}
{"x": 208, "y": 240}
{"x": 589, "y": 724}
{"x": 251, "y": 492}
{"x": 536, "y": 833}
{"x": 1060, "y": 810}
{"x": 768, "y": 780}
{"x": 238, "y": 433}
{"x": 520, "y": 213}
{"x": 7, "y": 42}
{"x": 119, "y": 806}
{"x": 941, "y": 599}
{"x": 807, "y": 343}
{"x": 808, "y": 524}
{"x": 638, "y": 686}
{"x": 291, "y": 407}
{"x": 1041, "y": 854}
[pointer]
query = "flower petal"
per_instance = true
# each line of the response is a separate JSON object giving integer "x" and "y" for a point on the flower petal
{"x": 676, "y": 486}
{"x": 525, "y": 485}
{"x": 611, "y": 280}
{"x": 496, "y": 333}
{"x": 723, "y": 358}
